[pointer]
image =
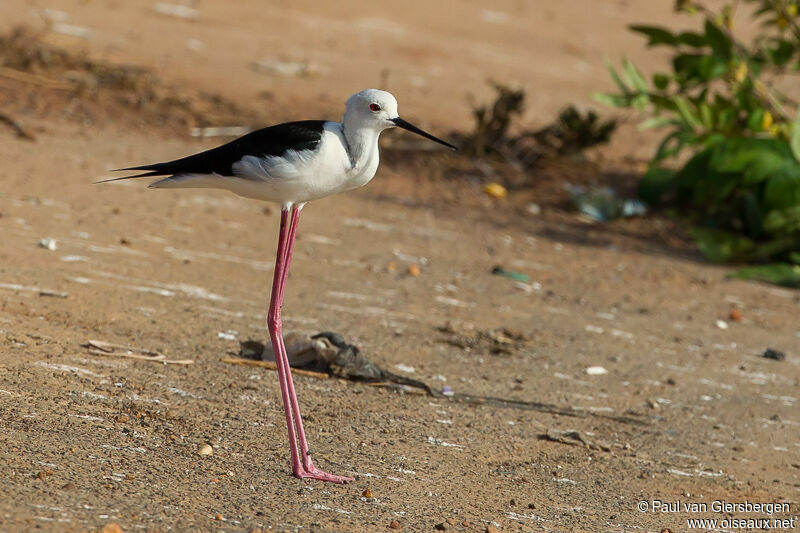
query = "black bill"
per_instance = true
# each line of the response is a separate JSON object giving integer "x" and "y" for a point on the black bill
{"x": 400, "y": 123}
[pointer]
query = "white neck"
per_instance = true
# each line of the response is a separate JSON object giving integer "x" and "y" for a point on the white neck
{"x": 362, "y": 143}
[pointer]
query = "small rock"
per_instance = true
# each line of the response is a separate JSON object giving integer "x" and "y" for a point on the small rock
{"x": 735, "y": 315}
{"x": 112, "y": 528}
{"x": 440, "y": 527}
{"x": 596, "y": 371}
{"x": 666, "y": 530}
{"x": 495, "y": 190}
{"x": 395, "y": 525}
{"x": 49, "y": 244}
{"x": 218, "y": 517}
{"x": 491, "y": 528}
{"x": 451, "y": 521}
{"x": 533, "y": 209}
{"x": 413, "y": 270}
{"x": 721, "y": 324}
{"x": 205, "y": 449}
{"x": 775, "y": 355}
{"x": 367, "y": 493}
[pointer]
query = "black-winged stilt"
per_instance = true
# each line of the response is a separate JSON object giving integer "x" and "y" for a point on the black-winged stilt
{"x": 292, "y": 164}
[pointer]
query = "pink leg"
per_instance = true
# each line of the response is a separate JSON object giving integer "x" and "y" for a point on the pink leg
{"x": 294, "y": 421}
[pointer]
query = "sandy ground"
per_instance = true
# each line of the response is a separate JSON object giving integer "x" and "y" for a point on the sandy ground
{"x": 687, "y": 410}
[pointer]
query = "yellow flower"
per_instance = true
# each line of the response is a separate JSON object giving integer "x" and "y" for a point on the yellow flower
{"x": 766, "y": 122}
{"x": 791, "y": 10}
{"x": 741, "y": 72}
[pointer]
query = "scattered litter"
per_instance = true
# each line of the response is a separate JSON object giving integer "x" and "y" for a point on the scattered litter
{"x": 228, "y": 335}
{"x": 454, "y": 302}
{"x": 495, "y": 190}
{"x": 721, "y": 324}
{"x": 176, "y": 10}
{"x": 440, "y": 442}
{"x": 404, "y": 368}
{"x": 205, "y": 449}
{"x": 73, "y": 258}
{"x": 574, "y": 438}
{"x": 517, "y": 276}
{"x": 448, "y": 390}
{"x": 48, "y": 243}
{"x": 596, "y": 371}
{"x": 320, "y": 507}
{"x": 775, "y": 355}
{"x": 116, "y": 350}
{"x": 593, "y": 329}
{"x": 602, "y": 203}
{"x": 495, "y": 341}
{"x": 53, "y": 294}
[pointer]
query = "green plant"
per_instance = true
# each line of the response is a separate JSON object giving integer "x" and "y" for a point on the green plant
{"x": 722, "y": 103}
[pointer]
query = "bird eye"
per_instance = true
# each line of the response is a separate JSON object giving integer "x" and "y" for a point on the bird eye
{"x": 375, "y": 107}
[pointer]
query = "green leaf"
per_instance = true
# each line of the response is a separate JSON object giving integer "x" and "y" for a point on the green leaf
{"x": 655, "y": 35}
{"x": 660, "y": 81}
{"x": 682, "y": 106}
{"x": 634, "y": 77}
{"x": 706, "y": 115}
{"x": 782, "y": 190}
{"x": 722, "y": 246}
{"x": 783, "y": 221}
{"x": 782, "y": 52}
{"x": 692, "y": 39}
{"x": 656, "y": 183}
{"x": 794, "y": 141}
{"x": 720, "y": 43}
{"x": 611, "y": 100}
{"x": 782, "y": 274}
{"x": 656, "y": 122}
{"x": 615, "y": 77}
{"x": 755, "y": 160}
{"x": 755, "y": 120}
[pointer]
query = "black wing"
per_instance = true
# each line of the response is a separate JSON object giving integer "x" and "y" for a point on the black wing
{"x": 271, "y": 141}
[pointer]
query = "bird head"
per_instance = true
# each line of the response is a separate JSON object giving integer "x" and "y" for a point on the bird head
{"x": 377, "y": 109}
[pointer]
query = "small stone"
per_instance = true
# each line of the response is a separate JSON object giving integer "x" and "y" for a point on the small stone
{"x": 218, "y": 517}
{"x": 466, "y": 523}
{"x": 666, "y": 530}
{"x": 495, "y": 190}
{"x": 735, "y": 315}
{"x": 440, "y": 527}
{"x": 125, "y": 242}
{"x": 769, "y": 353}
{"x": 721, "y": 324}
{"x": 531, "y": 506}
{"x": 391, "y": 266}
{"x": 451, "y": 521}
{"x": 367, "y": 493}
{"x": 395, "y": 525}
{"x": 413, "y": 270}
{"x": 596, "y": 371}
{"x": 112, "y": 528}
{"x": 205, "y": 449}
{"x": 491, "y": 528}
{"x": 68, "y": 486}
{"x": 49, "y": 244}
{"x": 533, "y": 209}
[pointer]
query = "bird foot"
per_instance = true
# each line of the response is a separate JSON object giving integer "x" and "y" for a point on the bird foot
{"x": 315, "y": 473}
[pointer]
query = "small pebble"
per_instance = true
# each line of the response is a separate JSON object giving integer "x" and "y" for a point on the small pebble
{"x": 218, "y": 517}
{"x": 112, "y": 528}
{"x": 205, "y": 449}
{"x": 735, "y": 315}
{"x": 769, "y": 353}
{"x": 495, "y": 190}
{"x": 413, "y": 270}
{"x": 49, "y": 243}
{"x": 596, "y": 371}
{"x": 395, "y": 525}
{"x": 440, "y": 527}
{"x": 491, "y": 528}
{"x": 367, "y": 493}
{"x": 721, "y": 324}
